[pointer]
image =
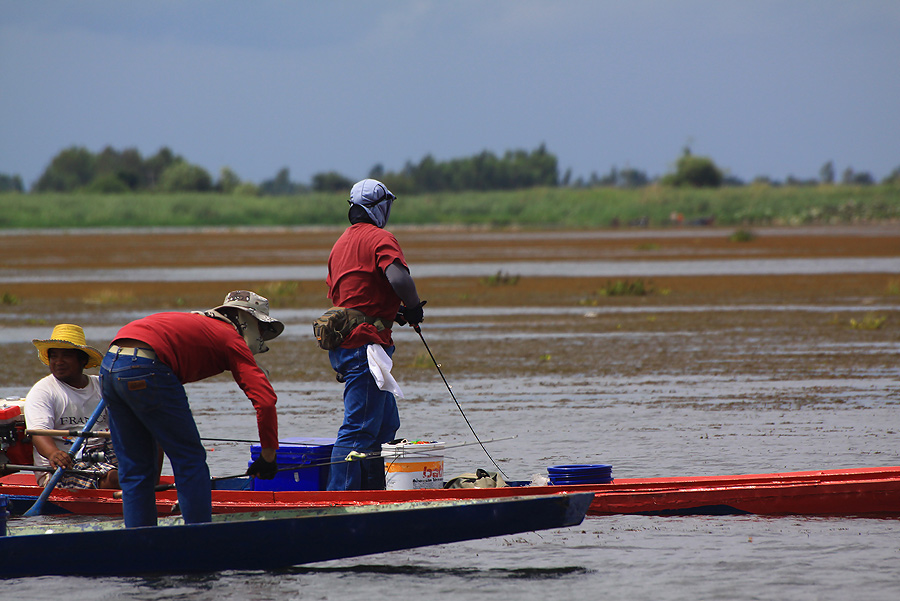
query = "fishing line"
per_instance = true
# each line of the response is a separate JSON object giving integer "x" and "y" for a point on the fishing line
{"x": 351, "y": 457}
{"x": 453, "y": 396}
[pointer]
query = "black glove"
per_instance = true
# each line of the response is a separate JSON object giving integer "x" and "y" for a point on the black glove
{"x": 411, "y": 315}
{"x": 262, "y": 469}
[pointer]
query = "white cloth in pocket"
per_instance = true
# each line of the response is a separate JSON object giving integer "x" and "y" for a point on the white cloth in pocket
{"x": 380, "y": 365}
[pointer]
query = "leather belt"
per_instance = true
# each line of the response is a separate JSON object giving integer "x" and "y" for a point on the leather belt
{"x": 133, "y": 352}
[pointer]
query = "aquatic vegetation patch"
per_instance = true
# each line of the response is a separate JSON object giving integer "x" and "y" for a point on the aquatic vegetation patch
{"x": 869, "y": 322}
{"x": 9, "y": 299}
{"x": 742, "y": 235}
{"x": 111, "y": 296}
{"x": 500, "y": 279}
{"x": 623, "y": 288}
{"x": 274, "y": 290}
{"x": 421, "y": 361}
{"x": 626, "y": 288}
{"x": 648, "y": 246}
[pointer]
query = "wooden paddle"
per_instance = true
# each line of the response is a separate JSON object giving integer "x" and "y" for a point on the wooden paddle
{"x": 58, "y": 474}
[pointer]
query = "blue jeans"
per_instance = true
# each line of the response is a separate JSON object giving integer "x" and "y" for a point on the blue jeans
{"x": 148, "y": 405}
{"x": 370, "y": 419}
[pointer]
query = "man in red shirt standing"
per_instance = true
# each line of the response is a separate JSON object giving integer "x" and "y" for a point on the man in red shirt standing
{"x": 142, "y": 378}
{"x": 367, "y": 272}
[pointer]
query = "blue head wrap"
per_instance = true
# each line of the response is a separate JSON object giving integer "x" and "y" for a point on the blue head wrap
{"x": 374, "y": 198}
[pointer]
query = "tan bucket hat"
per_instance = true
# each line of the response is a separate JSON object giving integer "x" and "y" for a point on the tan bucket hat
{"x": 258, "y": 307}
{"x": 66, "y": 335}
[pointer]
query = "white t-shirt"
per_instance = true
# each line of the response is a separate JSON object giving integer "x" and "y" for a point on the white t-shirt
{"x": 54, "y": 405}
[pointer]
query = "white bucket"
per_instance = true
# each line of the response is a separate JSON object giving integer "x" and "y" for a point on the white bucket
{"x": 413, "y": 465}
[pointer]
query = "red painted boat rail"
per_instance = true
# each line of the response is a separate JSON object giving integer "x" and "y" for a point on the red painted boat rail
{"x": 859, "y": 491}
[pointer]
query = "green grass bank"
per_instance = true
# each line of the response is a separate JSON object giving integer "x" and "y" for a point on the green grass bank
{"x": 654, "y": 206}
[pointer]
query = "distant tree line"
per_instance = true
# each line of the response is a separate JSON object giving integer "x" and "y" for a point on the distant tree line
{"x": 76, "y": 169}
{"x": 485, "y": 171}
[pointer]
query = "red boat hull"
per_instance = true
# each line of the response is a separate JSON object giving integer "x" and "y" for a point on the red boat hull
{"x": 857, "y": 492}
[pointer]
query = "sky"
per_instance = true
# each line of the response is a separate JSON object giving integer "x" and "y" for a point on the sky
{"x": 763, "y": 87}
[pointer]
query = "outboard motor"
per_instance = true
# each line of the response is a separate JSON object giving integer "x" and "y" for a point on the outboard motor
{"x": 15, "y": 445}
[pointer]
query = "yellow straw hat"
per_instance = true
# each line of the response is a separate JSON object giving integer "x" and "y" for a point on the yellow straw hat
{"x": 66, "y": 335}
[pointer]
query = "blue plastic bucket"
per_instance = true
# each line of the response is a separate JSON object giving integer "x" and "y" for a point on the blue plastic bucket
{"x": 580, "y": 474}
{"x": 310, "y": 455}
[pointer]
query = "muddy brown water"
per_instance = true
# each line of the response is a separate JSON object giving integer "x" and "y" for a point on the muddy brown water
{"x": 593, "y": 333}
{"x": 702, "y": 375}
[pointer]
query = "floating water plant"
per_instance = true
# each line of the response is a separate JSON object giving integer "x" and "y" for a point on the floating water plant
{"x": 742, "y": 235}
{"x": 500, "y": 279}
{"x": 648, "y": 246}
{"x": 9, "y": 299}
{"x": 279, "y": 289}
{"x": 622, "y": 288}
{"x": 421, "y": 361}
{"x": 868, "y": 322}
{"x": 626, "y": 288}
{"x": 109, "y": 296}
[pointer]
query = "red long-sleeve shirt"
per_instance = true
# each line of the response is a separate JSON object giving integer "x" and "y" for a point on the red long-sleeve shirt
{"x": 197, "y": 347}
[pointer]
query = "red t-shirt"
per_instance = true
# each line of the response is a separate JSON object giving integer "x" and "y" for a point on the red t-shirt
{"x": 356, "y": 279}
{"x": 198, "y": 347}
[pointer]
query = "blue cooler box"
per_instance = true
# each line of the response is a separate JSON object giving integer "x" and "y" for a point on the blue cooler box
{"x": 297, "y": 451}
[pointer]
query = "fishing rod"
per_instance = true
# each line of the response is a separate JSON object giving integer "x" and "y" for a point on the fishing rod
{"x": 105, "y": 434}
{"x": 12, "y": 468}
{"x": 427, "y": 452}
{"x": 450, "y": 390}
{"x": 357, "y": 456}
{"x": 352, "y": 456}
{"x": 288, "y": 468}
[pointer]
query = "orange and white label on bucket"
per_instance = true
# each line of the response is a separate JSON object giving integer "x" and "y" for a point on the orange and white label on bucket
{"x": 431, "y": 469}
{"x": 411, "y": 475}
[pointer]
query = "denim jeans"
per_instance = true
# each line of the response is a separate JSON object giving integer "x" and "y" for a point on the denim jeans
{"x": 148, "y": 406}
{"x": 370, "y": 419}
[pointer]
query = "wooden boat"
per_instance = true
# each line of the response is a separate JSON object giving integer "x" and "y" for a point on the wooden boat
{"x": 273, "y": 539}
{"x": 873, "y": 491}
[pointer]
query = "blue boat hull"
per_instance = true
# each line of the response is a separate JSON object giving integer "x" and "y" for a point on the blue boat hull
{"x": 281, "y": 539}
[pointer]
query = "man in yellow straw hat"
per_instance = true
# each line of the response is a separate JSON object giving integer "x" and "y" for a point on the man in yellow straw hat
{"x": 65, "y": 400}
